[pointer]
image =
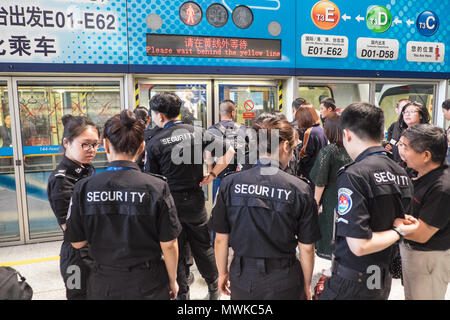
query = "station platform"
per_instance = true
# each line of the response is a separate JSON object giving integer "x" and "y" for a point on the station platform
{"x": 39, "y": 264}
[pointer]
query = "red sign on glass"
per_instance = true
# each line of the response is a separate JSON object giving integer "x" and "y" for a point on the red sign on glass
{"x": 163, "y": 45}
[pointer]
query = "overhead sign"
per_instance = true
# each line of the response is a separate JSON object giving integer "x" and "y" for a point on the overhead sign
{"x": 165, "y": 45}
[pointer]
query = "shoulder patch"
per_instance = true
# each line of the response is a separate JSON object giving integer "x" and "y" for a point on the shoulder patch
{"x": 60, "y": 173}
{"x": 345, "y": 201}
{"x": 163, "y": 178}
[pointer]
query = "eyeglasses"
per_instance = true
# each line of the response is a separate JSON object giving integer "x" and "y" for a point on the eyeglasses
{"x": 86, "y": 146}
{"x": 410, "y": 112}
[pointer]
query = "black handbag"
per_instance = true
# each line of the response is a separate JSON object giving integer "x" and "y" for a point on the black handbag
{"x": 13, "y": 286}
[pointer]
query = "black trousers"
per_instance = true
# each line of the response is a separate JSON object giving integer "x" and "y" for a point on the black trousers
{"x": 145, "y": 282}
{"x": 192, "y": 214}
{"x": 266, "y": 279}
{"x": 75, "y": 265}
{"x": 348, "y": 284}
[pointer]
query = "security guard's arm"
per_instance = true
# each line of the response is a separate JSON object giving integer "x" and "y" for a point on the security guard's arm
{"x": 221, "y": 164}
{"x": 423, "y": 233}
{"x": 221, "y": 252}
{"x": 380, "y": 240}
{"x": 79, "y": 245}
{"x": 170, "y": 252}
{"x": 307, "y": 253}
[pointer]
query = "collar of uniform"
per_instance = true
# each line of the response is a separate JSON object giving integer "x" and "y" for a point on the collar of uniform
{"x": 172, "y": 123}
{"x": 74, "y": 168}
{"x": 369, "y": 151}
{"x": 124, "y": 163}
{"x": 267, "y": 162}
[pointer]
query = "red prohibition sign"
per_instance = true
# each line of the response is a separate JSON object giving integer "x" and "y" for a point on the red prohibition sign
{"x": 249, "y": 105}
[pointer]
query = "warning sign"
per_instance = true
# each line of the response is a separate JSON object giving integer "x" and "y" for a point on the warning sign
{"x": 248, "y": 106}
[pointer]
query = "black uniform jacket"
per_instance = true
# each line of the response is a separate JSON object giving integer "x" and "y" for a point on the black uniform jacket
{"x": 372, "y": 192}
{"x": 124, "y": 214}
{"x": 266, "y": 211}
{"x": 61, "y": 183}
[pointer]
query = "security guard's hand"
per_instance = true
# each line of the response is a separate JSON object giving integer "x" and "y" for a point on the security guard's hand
{"x": 206, "y": 180}
{"x": 388, "y": 147}
{"x": 407, "y": 225}
{"x": 173, "y": 290}
{"x": 224, "y": 284}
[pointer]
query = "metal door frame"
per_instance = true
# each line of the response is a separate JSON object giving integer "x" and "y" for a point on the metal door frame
{"x": 17, "y": 143}
{"x": 240, "y": 82}
{"x": 15, "y": 146}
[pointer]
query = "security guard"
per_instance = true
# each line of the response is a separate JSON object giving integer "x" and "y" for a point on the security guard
{"x": 176, "y": 152}
{"x": 372, "y": 192}
{"x": 265, "y": 213}
{"x": 80, "y": 142}
{"x": 129, "y": 219}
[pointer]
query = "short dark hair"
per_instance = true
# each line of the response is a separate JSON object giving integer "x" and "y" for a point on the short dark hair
{"x": 427, "y": 137}
{"x": 297, "y": 103}
{"x": 423, "y": 113}
{"x": 227, "y": 107}
{"x": 125, "y": 132}
{"x": 333, "y": 130}
{"x": 74, "y": 126}
{"x": 446, "y": 104}
{"x": 141, "y": 113}
{"x": 167, "y": 103}
{"x": 329, "y": 103}
{"x": 365, "y": 120}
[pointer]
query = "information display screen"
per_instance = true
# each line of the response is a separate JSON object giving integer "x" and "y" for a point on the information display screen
{"x": 164, "y": 45}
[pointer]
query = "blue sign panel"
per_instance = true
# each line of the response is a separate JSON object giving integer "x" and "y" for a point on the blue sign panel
{"x": 228, "y": 26}
{"x": 60, "y": 31}
{"x": 394, "y": 35}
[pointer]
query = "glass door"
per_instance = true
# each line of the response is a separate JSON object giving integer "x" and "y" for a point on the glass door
{"x": 251, "y": 97}
{"x": 41, "y": 104}
{"x": 195, "y": 110}
{"x": 10, "y": 222}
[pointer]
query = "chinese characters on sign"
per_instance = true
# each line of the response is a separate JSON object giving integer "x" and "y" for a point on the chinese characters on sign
{"x": 30, "y": 30}
{"x": 324, "y": 46}
{"x": 212, "y": 47}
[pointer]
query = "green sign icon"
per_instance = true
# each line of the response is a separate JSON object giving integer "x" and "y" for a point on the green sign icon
{"x": 378, "y": 19}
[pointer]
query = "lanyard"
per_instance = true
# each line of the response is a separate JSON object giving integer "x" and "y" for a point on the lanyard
{"x": 378, "y": 153}
{"x": 118, "y": 168}
{"x": 171, "y": 123}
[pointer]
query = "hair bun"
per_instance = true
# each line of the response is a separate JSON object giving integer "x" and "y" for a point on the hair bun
{"x": 128, "y": 118}
{"x": 66, "y": 118}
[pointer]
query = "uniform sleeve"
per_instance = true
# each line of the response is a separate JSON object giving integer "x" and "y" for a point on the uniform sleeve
{"x": 59, "y": 193}
{"x": 319, "y": 172}
{"x": 75, "y": 229}
{"x": 169, "y": 226}
{"x": 353, "y": 216}
{"x": 433, "y": 211}
{"x": 151, "y": 163}
{"x": 308, "y": 224}
{"x": 219, "y": 221}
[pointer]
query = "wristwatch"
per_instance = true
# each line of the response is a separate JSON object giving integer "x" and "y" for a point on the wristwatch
{"x": 213, "y": 174}
{"x": 399, "y": 231}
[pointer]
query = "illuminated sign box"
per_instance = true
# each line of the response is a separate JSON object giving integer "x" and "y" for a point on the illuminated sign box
{"x": 164, "y": 45}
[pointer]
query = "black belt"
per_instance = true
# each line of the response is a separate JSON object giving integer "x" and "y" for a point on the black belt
{"x": 265, "y": 265}
{"x": 141, "y": 266}
{"x": 353, "y": 275}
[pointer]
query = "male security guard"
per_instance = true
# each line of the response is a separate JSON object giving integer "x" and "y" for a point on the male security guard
{"x": 372, "y": 192}
{"x": 176, "y": 152}
{"x": 265, "y": 213}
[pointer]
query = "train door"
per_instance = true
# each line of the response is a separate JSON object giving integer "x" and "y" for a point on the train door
{"x": 196, "y": 109}
{"x": 39, "y": 104}
{"x": 11, "y": 221}
{"x": 251, "y": 97}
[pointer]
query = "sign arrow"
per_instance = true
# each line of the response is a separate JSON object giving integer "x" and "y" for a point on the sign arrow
{"x": 359, "y": 18}
{"x": 397, "y": 21}
{"x": 409, "y": 22}
{"x": 345, "y": 17}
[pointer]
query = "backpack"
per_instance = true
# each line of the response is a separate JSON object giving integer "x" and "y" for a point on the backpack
{"x": 237, "y": 143}
{"x": 13, "y": 285}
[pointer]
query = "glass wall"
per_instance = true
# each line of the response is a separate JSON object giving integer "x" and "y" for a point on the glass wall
{"x": 9, "y": 215}
{"x": 42, "y": 105}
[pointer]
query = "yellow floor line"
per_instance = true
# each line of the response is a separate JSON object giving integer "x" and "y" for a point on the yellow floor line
{"x": 17, "y": 263}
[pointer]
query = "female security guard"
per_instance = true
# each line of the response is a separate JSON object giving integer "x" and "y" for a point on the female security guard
{"x": 129, "y": 219}
{"x": 265, "y": 213}
{"x": 80, "y": 142}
